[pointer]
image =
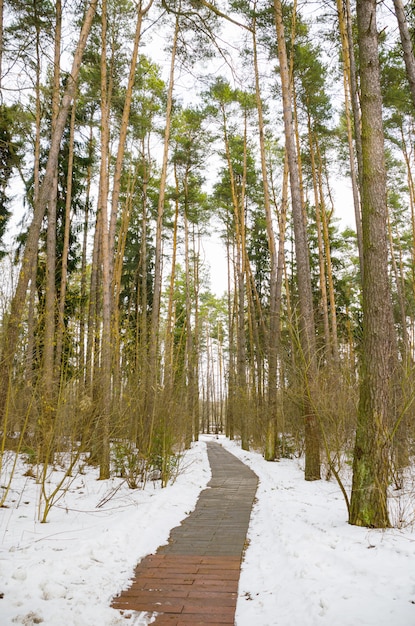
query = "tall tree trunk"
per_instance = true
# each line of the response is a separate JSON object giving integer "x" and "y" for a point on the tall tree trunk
{"x": 325, "y": 221}
{"x": 92, "y": 356}
{"x": 241, "y": 386}
{"x": 230, "y": 406}
{"x": 368, "y": 506}
{"x": 60, "y": 330}
{"x": 141, "y": 369}
{"x": 411, "y": 193}
{"x": 400, "y": 292}
{"x": 270, "y": 451}
{"x": 194, "y": 353}
{"x": 282, "y": 224}
{"x": 49, "y": 408}
{"x": 237, "y": 367}
{"x": 307, "y": 329}
{"x": 116, "y": 276}
{"x": 83, "y": 303}
{"x": 30, "y": 346}
{"x": 104, "y": 389}
{"x": 30, "y": 252}
{"x": 321, "y": 259}
{"x": 190, "y": 391}
{"x": 170, "y": 320}
{"x": 354, "y": 94}
{"x": 36, "y": 185}
{"x": 123, "y": 130}
{"x": 351, "y": 99}
{"x": 155, "y": 313}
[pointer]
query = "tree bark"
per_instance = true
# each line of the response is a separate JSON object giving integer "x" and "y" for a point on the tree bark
{"x": 60, "y": 329}
{"x": 194, "y": 352}
{"x": 270, "y": 451}
{"x": 123, "y": 131}
{"x": 325, "y": 221}
{"x": 307, "y": 329}
{"x": 155, "y": 312}
{"x": 48, "y": 401}
{"x": 319, "y": 228}
{"x": 368, "y": 506}
{"x": 83, "y": 303}
{"x": 104, "y": 390}
{"x": 351, "y": 98}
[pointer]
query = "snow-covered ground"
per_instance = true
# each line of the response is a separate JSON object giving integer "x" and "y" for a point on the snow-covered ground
{"x": 304, "y": 563}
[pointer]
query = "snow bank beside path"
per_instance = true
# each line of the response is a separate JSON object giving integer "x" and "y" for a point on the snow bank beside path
{"x": 306, "y": 565}
{"x": 66, "y": 571}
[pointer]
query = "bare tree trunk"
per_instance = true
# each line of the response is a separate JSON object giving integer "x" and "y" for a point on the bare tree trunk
{"x": 189, "y": 334}
{"x": 83, "y": 303}
{"x": 36, "y": 185}
{"x": 195, "y": 351}
{"x": 325, "y": 220}
{"x": 30, "y": 253}
{"x": 116, "y": 281}
{"x": 60, "y": 330}
{"x": 242, "y": 280}
{"x": 49, "y": 408}
{"x": 105, "y": 397}
{"x": 48, "y": 404}
{"x": 411, "y": 193}
{"x": 155, "y": 313}
{"x": 270, "y": 451}
{"x": 123, "y": 130}
{"x": 282, "y": 224}
{"x": 230, "y": 407}
{"x": 30, "y": 347}
{"x": 92, "y": 356}
{"x": 355, "y": 100}
{"x": 141, "y": 369}
{"x": 321, "y": 259}
{"x": 368, "y": 505}
{"x": 350, "y": 90}
{"x": 400, "y": 293}
{"x": 241, "y": 387}
{"x": 169, "y": 343}
{"x": 307, "y": 329}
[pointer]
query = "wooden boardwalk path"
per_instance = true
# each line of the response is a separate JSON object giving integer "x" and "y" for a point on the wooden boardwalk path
{"x": 194, "y": 578}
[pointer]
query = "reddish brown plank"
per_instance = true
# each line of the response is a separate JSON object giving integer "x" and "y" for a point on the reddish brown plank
{"x": 193, "y": 580}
